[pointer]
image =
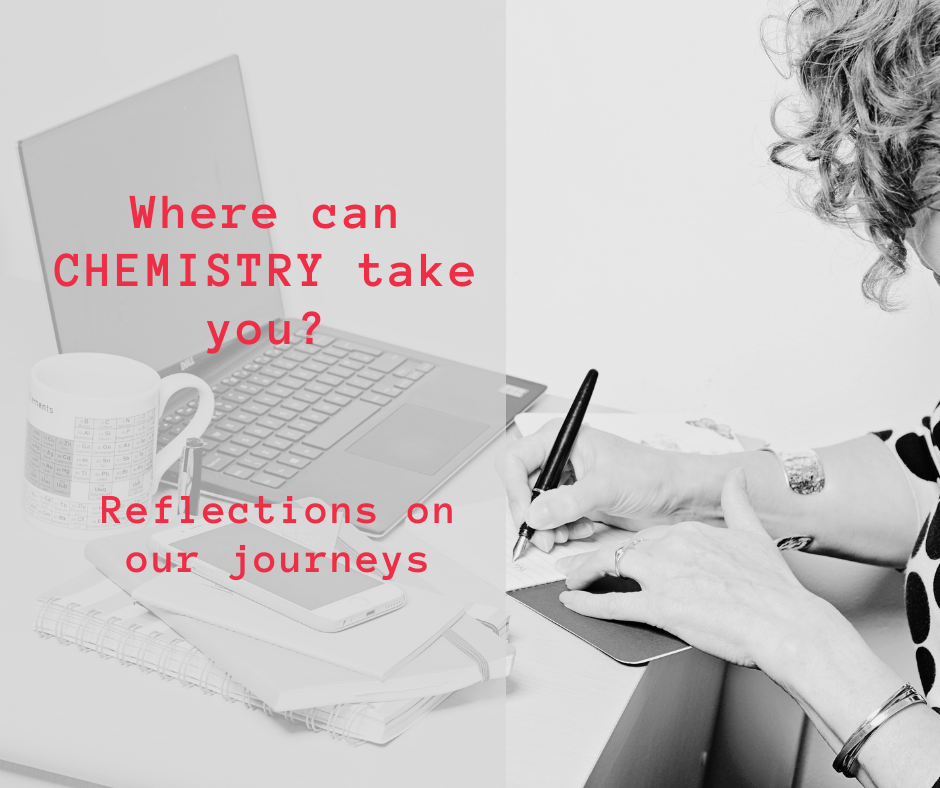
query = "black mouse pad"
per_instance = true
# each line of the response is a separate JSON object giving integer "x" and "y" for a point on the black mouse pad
{"x": 624, "y": 641}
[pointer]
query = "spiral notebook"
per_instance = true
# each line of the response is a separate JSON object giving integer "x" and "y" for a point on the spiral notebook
{"x": 94, "y": 614}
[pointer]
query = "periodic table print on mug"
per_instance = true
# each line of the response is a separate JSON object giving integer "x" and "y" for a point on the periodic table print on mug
{"x": 91, "y": 431}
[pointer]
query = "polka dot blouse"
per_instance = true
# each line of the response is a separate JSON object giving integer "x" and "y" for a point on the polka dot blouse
{"x": 918, "y": 451}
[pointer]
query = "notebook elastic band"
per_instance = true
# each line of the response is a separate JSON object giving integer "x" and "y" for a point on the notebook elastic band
{"x": 468, "y": 649}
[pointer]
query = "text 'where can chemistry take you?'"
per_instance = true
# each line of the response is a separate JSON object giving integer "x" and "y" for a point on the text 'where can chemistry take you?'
{"x": 110, "y": 269}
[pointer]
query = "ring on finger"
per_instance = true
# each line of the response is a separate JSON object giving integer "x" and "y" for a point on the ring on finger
{"x": 618, "y": 555}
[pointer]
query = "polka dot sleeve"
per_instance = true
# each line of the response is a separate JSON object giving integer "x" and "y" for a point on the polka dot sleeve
{"x": 922, "y": 602}
{"x": 917, "y": 451}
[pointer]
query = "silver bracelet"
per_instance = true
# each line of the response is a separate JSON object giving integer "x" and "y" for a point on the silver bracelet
{"x": 803, "y": 469}
{"x": 846, "y": 761}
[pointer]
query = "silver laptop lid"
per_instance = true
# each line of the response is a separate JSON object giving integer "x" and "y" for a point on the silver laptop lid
{"x": 189, "y": 139}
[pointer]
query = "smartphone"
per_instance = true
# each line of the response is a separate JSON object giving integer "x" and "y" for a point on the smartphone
{"x": 325, "y": 600}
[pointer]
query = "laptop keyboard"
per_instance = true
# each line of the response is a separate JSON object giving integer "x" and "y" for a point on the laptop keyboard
{"x": 279, "y": 412}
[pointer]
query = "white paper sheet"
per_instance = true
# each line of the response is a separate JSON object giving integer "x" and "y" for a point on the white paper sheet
{"x": 669, "y": 431}
{"x": 536, "y": 568}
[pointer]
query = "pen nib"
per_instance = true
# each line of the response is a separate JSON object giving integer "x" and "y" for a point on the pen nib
{"x": 519, "y": 550}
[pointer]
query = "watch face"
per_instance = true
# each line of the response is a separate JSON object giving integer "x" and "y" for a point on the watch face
{"x": 794, "y": 542}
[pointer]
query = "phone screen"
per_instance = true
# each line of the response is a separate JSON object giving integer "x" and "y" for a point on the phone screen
{"x": 309, "y": 590}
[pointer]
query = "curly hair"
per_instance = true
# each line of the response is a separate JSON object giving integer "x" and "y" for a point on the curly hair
{"x": 868, "y": 130}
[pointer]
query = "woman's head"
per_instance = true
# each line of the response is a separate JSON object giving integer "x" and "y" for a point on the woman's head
{"x": 868, "y": 125}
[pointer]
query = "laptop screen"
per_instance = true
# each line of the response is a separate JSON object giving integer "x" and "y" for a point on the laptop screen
{"x": 189, "y": 139}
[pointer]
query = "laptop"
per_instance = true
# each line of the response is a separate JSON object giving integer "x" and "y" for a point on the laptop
{"x": 347, "y": 418}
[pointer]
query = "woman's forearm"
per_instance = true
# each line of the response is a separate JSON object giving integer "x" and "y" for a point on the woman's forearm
{"x": 831, "y": 672}
{"x": 866, "y": 512}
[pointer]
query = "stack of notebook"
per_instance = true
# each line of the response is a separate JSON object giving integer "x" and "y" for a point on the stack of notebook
{"x": 175, "y": 625}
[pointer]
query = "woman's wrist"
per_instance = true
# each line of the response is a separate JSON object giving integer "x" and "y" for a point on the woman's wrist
{"x": 820, "y": 659}
{"x": 701, "y": 477}
{"x": 826, "y": 666}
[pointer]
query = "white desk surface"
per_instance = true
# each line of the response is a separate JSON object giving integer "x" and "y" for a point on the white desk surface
{"x": 72, "y": 713}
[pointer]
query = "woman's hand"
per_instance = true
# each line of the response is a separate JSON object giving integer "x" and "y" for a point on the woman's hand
{"x": 620, "y": 483}
{"x": 726, "y": 591}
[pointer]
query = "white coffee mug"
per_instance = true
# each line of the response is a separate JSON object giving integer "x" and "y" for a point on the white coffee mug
{"x": 92, "y": 431}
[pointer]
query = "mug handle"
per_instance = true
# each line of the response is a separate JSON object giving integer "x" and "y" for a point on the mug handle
{"x": 170, "y": 453}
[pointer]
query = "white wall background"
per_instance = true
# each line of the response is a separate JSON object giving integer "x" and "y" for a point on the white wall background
{"x": 647, "y": 234}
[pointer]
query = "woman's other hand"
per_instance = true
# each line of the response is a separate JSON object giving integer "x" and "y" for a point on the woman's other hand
{"x": 726, "y": 591}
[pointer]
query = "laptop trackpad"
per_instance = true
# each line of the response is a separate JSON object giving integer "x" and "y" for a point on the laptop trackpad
{"x": 417, "y": 438}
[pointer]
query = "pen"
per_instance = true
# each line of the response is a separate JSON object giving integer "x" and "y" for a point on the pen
{"x": 190, "y": 475}
{"x": 554, "y": 466}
